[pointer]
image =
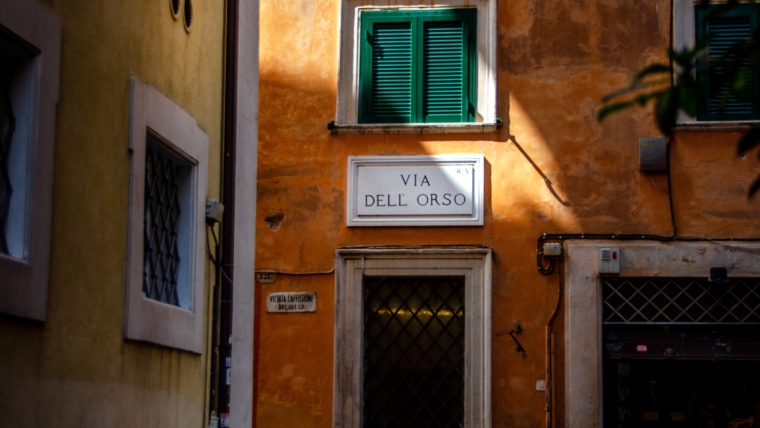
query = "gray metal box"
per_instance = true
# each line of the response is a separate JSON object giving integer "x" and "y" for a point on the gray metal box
{"x": 653, "y": 154}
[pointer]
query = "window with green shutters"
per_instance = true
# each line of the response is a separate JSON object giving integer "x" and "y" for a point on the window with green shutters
{"x": 726, "y": 31}
{"x": 418, "y": 66}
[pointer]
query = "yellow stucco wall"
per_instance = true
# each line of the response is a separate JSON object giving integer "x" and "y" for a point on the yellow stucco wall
{"x": 556, "y": 59}
{"x": 75, "y": 369}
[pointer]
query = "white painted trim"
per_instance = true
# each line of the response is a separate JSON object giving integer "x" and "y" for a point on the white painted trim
{"x": 476, "y": 162}
{"x": 583, "y": 303}
{"x": 24, "y": 285}
{"x": 684, "y": 37}
{"x": 246, "y": 143}
{"x": 348, "y": 75}
{"x": 147, "y": 319}
{"x": 352, "y": 264}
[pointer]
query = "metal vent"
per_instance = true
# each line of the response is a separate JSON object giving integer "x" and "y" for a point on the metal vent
{"x": 188, "y": 15}
{"x": 161, "y": 224}
{"x": 7, "y": 128}
{"x": 681, "y": 301}
{"x": 174, "y": 5}
{"x": 413, "y": 352}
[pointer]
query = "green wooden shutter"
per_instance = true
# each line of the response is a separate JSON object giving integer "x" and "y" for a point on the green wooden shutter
{"x": 392, "y": 79}
{"x": 727, "y": 31}
{"x": 417, "y": 66}
{"x": 444, "y": 68}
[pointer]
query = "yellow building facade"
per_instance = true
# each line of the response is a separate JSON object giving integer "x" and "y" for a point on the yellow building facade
{"x": 113, "y": 127}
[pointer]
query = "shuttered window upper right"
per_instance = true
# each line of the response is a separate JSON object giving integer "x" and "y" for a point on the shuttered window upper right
{"x": 418, "y": 66}
{"x": 725, "y": 32}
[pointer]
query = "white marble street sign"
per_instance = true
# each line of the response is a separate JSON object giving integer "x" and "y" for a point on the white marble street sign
{"x": 415, "y": 190}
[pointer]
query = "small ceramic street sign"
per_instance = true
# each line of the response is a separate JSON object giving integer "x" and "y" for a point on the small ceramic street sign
{"x": 292, "y": 302}
{"x": 415, "y": 190}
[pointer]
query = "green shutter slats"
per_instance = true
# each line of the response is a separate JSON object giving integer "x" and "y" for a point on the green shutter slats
{"x": 443, "y": 72}
{"x": 726, "y": 33}
{"x": 392, "y": 73}
{"x": 417, "y": 66}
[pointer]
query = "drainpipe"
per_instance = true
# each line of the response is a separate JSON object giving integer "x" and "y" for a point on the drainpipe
{"x": 228, "y": 226}
{"x": 222, "y": 326}
{"x": 549, "y": 358}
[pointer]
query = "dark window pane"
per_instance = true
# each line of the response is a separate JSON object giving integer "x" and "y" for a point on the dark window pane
{"x": 413, "y": 352}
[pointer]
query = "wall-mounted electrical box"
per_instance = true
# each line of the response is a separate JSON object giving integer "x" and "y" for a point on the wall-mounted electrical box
{"x": 653, "y": 154}
{"x": 552, "y": 249}
{"x": 609, "y": 260}
{"x": 214, "y": 211}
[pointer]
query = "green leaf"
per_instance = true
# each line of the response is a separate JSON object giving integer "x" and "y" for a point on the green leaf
{"x": 690, "y": 94}
{"x": 749, "y": 140}
{"x": 652, "y": 69}
{"x": 613, "y": 108}
{"x": 665, "y": 110}
{"x": 753, "y": 188}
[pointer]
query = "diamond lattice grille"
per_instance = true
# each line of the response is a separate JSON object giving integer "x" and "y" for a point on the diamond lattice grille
{"x": 681, "y": 300}
{"x": 413, "y": 352}
{"x": 161, "y": 225}
{"x": 7, "y": 127}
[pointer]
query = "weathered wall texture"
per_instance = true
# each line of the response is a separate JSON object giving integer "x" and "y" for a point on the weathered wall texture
{"x": 76, "y": 370}
{"x": 556, "y": 59}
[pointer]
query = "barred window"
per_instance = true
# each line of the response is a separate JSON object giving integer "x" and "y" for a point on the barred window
{"x": 168, "y": 189}
{"x": 165, "y": 176}
{"x": 16, "y": 116}
{"x": 30, "y": 49}
{"x": 7, "y": 128}
{"x": 680, "y": 301}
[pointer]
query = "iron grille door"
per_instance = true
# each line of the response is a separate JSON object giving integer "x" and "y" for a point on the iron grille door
{"x": 413, "y": 352}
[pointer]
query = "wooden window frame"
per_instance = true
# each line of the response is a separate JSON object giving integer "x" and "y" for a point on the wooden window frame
{"x": 417, "y": 20}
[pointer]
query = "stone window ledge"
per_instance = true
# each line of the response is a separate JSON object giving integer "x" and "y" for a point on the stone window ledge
{"x": 716, "y": 126}
{"x": 416, "y": 128}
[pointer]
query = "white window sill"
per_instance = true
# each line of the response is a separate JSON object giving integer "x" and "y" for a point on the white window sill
{"x": 415, "y": 128}
{"x": 716, "y": 125}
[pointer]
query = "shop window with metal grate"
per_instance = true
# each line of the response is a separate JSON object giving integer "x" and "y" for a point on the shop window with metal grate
{"x": 413, "y": 352}
{"x": 164, "y": 173}
{"x": 681, "y": 301}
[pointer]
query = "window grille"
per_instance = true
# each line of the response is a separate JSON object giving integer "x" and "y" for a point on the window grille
{"x": 681, "y": 301}
{"x": 413, "y": 352}
{"x": 7, "y": 127}
{"x": 161, "y": 224}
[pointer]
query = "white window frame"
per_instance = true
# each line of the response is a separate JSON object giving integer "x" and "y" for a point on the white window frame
{"x": 348, "y": 76}
{"x": 24, "y": 285}
{"x": 583, "y": 303}
{"x": 352, "y": 264}
{"x": 685, "y": 37}
{"x": 148, "y": 319}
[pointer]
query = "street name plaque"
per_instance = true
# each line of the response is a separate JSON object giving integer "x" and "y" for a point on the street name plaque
{"x": 289, "y": 302}
{"x": 415, "y": 190}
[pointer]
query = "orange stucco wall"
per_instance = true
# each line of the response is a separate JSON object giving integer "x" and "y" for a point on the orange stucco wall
{"x": 556, "y": 59}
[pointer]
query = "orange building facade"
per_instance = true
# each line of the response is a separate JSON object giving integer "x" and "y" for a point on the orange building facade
{"x": 546, "y": 167}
